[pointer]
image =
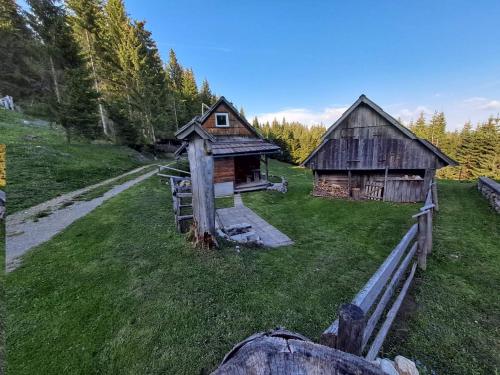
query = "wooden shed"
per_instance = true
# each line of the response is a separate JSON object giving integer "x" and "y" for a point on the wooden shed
{"x": 238, "y": 149}
{"x": 368, "y": 154}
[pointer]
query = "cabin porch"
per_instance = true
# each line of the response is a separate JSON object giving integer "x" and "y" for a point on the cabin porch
{"x": 242, "y": 173}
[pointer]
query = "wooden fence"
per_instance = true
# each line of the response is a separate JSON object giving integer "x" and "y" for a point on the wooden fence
{"x": 182, "y": 194}
{"x": 355, "y": 327}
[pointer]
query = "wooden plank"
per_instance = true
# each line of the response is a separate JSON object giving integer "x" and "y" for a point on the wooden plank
{"x": 421, "y": 239}
{"x": 389, "y": 291}
{"x": 391, "y": 315}
{"x": 161, "y": 167}
{"x": 428, "y": 234}
{"x": 373, "y": 287}
{"x": 385, "y": 182}
{"x": 435, "y": 196}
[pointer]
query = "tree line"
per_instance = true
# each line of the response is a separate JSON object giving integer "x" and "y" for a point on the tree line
{"x": 475, "y": 148}
{"x": 89, "y": 66}
{"x": 296, "y": 140}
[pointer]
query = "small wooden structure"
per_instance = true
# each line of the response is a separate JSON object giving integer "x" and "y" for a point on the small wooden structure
{"x": 367, "y": 149}
{"x": 201, "y": 166}
{"x": 237, "y": 148}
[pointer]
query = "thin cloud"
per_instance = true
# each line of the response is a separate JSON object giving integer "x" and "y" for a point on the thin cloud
{"x": 327, "y": 116}
{"x": 407, "y": 114}
{"x": 485, "y": 104}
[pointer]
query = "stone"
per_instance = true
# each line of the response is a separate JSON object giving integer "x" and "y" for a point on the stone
{"x": 404, "y": 366}
{"x": 387, "y": 366}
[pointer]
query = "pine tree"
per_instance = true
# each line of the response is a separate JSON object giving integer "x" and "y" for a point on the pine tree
{"x": 47, "y": 19}
{"x": 86, "y": 21}
{"x": 21, "y": 66}
{"x": 154, "y": 90}
{"x": 77, "y": 111}
{"x": 120, "y": 63}
{"x": 205, "y": 95}
{"x": 174, "y": 71}
{"x": 242, "y": 112}
{"x": 189, "y": 94}
{"x": 255, "y": 123}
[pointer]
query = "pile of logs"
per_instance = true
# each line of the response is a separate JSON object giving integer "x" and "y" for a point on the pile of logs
{"x": 327, "y": 189}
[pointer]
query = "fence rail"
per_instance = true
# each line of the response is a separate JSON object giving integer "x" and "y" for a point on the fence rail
{"x": 358, "y": 320}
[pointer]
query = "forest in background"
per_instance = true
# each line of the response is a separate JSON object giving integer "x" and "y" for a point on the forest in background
{"x": 88, "y": 66}
{"x": 477, "y": 149}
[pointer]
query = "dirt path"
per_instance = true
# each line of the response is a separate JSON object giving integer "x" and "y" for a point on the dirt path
{"x": 25, "y": 232}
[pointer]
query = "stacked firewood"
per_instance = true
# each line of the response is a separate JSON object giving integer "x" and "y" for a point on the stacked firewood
{"x": 327, "y": 189}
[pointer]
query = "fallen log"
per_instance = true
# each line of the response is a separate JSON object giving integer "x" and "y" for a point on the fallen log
{"x": 281, "y": 352}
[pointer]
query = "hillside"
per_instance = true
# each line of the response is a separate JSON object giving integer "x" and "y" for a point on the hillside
{"x": 41, "y": 165}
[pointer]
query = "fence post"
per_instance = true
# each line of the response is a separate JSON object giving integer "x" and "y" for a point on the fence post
{"x": 351, "y": 329}
{"x": 421, "y": 239}
{"x": 435, "y": 196}
{"x": 428, "y": 235}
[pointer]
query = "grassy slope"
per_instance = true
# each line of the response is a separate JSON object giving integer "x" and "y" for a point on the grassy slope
{"x": 43, "y": 167}
{"x": 132, "y": 297}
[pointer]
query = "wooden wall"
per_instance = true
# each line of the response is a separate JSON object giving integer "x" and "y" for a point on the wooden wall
{"x": 366, "y": 140}
{"x": 236, "y": 127}
{"x": 223, "y": 170}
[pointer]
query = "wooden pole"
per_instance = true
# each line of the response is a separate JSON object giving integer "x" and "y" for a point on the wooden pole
{"x": 267, "y": 167}
{"x": 435, "y": 196}
{"x": 422, "y": 242}
{"x": 349, "y": 182}
{"x": 428, "y": 235}
{"x": 201, "y": 165}
{"x": 351, "y": 329}
{"x": 385, "y": 181}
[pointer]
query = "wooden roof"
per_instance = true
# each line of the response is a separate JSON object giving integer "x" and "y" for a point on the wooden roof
{"x": 238, "y": 146}
{"x": 225, "y": 145}
{"x": 407, "y": 132}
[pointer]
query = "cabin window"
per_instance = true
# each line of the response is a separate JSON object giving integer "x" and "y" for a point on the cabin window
{"x": 222, "y": 120}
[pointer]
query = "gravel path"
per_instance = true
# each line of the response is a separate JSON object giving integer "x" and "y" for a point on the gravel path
{"x": 23, "y": 233}
{"x": 52, "y": 204}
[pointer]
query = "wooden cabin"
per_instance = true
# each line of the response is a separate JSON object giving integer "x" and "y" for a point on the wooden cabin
{"x": 370, "y": 155}
{"x": 238, "y": 149}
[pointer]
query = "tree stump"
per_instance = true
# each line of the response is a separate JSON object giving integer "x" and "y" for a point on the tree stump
{"x": 281, "y": 352}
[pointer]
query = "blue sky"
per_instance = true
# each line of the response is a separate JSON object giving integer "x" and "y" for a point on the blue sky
{"x": 309, "y": 60}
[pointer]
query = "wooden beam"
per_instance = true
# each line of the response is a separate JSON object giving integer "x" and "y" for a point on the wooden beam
{"x": 435, "y": 196}
{"x": 389, "y": 291}
{"x": 201, "y": 165}
{"x": 428, "y": 235}
{"x": 391, "y": 315}
{"x": 385, "y": 182}
{"x": 351, "y": 329}
{"x": 421, "y": 239}
{"x": 349, "y": 182}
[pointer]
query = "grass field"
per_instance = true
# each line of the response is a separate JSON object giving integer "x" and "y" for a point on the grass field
{"x": 121, "y": 292}
{"x": 41, "y": 166}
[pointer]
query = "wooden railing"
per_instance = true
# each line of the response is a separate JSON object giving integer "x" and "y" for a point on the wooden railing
{"x": 181, "y": 200}
{"x": 352, "y": 332}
